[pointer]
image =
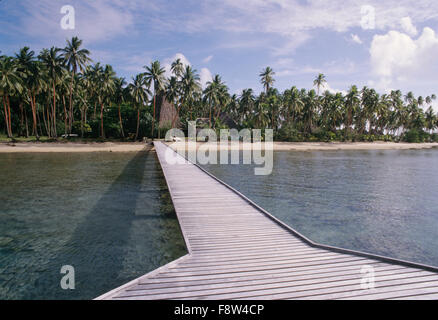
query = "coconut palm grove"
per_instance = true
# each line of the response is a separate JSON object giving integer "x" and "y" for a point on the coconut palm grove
{"x": 61, "y": 92}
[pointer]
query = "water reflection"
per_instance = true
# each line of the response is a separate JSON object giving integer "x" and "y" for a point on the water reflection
{"x": 108, "y": 215}
{"x": 383, "y": 202}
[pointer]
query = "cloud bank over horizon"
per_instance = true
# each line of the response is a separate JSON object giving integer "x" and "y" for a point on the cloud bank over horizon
{"x": 237, "y": 38}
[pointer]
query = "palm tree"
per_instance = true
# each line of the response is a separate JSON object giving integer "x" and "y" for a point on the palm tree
{"x": 63, "y": 90}
{"x": 294, "y": 104}
{"x": 105, "y": 84}
{"x": 54, "y": 65}
{"x": 173, "y": 92}
{"x": 190, "y": 88}
{"x": 213, "y": 94}
{"x": 32, "y": 81}
{"x": 139, "y": 91}
{"x": 267, "y": 78}
{"x": 93, "y": 76}
{"x": 75, "y": 58}
{"x": 309, "y": 109}
{"x": 10, "y": 84}
{"x": 261, "y": 115}
{"x": 177, "y": 67}
{"x": 430, "y": 120}
{"x": 247, "y": 102}
{"x": 319, "y": 82}
{"x": 352, "y": 101}
{"x": 155, "y": 75}
{"x": 82, "y": 97}
{"x": 119, "y": 98}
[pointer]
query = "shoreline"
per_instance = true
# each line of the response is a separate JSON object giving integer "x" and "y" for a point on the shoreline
{"x": 71, "y": 147}
{"x": 311, "y": 146}
{"x": 75, "y": 147}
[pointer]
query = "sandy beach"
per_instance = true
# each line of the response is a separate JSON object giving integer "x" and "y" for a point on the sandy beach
{"x": 278, "y": 146}
{"x": 71, "y": 147}
{"x": 312, "y": 146}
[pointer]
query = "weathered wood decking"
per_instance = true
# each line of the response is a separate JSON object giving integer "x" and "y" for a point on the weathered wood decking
{"x": 239, "y": 251}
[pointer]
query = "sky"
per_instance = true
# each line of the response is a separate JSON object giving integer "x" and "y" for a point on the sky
{"x": 387, "y": 45}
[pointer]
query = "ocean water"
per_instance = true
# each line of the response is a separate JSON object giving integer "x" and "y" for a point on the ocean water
{"x": 109, "y": 215}
{"x": 381, "y": 202}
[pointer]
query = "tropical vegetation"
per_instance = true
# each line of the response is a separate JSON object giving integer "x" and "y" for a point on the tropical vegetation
{"x": 61, "y": 92}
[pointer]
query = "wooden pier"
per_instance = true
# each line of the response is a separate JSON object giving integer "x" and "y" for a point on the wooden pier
{"x": 237, "y": 250}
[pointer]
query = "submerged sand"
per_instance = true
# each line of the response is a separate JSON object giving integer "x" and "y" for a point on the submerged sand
{"x": 71, "y": 147}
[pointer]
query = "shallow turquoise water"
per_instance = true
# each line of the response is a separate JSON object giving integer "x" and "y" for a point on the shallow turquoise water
{"x": 382, "y": 202}
{"x": 109, "y": 215}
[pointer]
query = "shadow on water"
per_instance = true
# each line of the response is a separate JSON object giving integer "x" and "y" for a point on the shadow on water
{"x": 99, "y": 260}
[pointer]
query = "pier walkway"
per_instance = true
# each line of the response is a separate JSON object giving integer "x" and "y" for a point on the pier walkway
{"x": 237, "y": 250}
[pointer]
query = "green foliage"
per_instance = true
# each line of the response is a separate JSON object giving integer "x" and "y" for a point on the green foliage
{"x": 295, "y": 115}
{"x": 323, "y": 135}
{"x": 289, "y": 133}
{"x": 86, "y": 128}
{"x": 413, "y": 136}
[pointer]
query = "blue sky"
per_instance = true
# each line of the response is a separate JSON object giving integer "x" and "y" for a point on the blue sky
{"x": 237, "y": 38}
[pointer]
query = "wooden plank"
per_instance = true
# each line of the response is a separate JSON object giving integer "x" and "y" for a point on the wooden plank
{"x": 141, "y": 289}
{"x": 320, "y": 272}
{"x": 300, "y": 288}
{"x": 345, "y": 271}
{"x": 239, "y": 251}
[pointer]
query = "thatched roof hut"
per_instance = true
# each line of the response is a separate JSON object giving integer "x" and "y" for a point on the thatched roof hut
{"x": 167, "y": 115}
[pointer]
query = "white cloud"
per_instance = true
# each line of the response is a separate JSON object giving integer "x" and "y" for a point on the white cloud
{"x": 284, "y": 67}
{"x": 326, "y": 87}
{"x": 207, "y": 59}
{"x": 408, "y": 27}
{"x": 205, "y": 76}
{"x": 356, "y": 38}
{"x": 167, "y": 63}
{"x": 398, "y": 58}
{"x": 97, "y": 20}
{"x": 294, "y": 22}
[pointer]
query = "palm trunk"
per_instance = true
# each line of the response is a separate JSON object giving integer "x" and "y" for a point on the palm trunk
{"x": 39, "y": 122}
{"x": 65, "y": 116}
{"x": 46, "y": 119}
{"x": 138, "y": 123}
{"x": 27, "y": 127}
{"x": 217, "y": 116}
{"x": 102, "y": 132}
{"x": 21, "y": 131}
{"x": 82, "y": 123}
{"x": 6, "y": 116}
{"x": 9, "y": 118}
{"x": 121, "y": 124}
{"x": 34, "y": 117}
{"x": 70, "y": 120}
{"x": 153, "y": 121}
{"x": 209, "y": 120}
{"x": 54, "y": 110}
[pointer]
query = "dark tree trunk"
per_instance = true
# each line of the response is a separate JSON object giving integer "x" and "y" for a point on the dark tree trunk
{"x": 153, "y": 120}
{"x": 138, "y": 123}
{"x": 121, "y": 124}
{"x": 102, "y": 132}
